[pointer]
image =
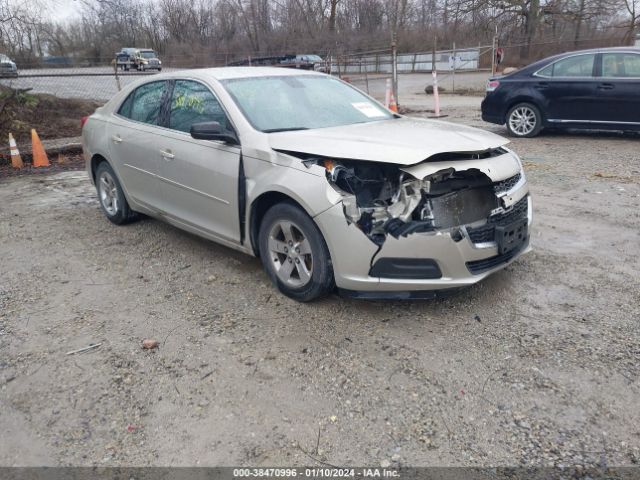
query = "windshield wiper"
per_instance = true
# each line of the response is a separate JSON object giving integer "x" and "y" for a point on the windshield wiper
{"x": 290, "y": 129}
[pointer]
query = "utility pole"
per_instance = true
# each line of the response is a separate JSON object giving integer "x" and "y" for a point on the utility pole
{"x": 493, "y": 52}
{"x": 394, "y": 67}
{"x": 453, "y": 74}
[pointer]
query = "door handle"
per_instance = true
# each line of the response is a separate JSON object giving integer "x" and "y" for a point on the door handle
{"x": 542, "y": 85}
{"x": 167, "y": 155}
{"x": 606, "y": 86}
{"x": 116, "y": 138}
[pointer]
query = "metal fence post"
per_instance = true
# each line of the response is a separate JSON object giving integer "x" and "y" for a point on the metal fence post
{"x": 493, "y": 55}
{"x": 115, "y": 70}
{"x": 453, "y": 73}
{"x": 394, "y": 68}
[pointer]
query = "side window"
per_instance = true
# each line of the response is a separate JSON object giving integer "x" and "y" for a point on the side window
{"x": 143, "y": 105}
{"x": 191, "y": 103}
{"x": 577, "y": 66}
{"x": 621, "y": 65}
{"x": 125, "y": 108}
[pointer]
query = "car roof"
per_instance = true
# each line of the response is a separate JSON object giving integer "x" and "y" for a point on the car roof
{"x": 227, "y": 73}
{"x": 547, "y": 60}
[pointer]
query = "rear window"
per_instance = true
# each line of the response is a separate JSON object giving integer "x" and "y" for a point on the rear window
{"x": 576, "y": 66}
{"x": 144, "y": 103}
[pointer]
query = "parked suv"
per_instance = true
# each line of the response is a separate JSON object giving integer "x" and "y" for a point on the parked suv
{"x": 8, "y": 67}
{"x": 593, "y": 89}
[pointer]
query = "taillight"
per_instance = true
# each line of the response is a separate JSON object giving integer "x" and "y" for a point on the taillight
{"x": 83, "y": 120}
{"x": 492, "y": 85}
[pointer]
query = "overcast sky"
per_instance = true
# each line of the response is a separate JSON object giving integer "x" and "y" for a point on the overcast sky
{"x": 60, "y": 10}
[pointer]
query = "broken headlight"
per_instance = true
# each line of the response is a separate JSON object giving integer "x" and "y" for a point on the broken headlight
{"x": 383, "y": 200}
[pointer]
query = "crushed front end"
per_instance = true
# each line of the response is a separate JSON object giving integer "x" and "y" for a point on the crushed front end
{"x": 444, "y": 223}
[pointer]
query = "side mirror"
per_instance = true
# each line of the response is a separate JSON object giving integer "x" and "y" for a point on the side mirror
{"x": 212, "y": 131}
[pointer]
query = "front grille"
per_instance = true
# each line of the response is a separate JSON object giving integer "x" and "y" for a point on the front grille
{"x": 479, "y": 266}
{"x": 486, "y": 233}
{"x": 506, "y": 185}
{"x": 483, "y": 234}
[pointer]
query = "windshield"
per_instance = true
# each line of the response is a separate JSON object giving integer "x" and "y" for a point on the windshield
{"x": 148, "y": 54}
{"x": 301, "y": 102}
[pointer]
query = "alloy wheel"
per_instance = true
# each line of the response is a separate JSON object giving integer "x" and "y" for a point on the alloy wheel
{"x": 290, "y": 253}
{"x": 523, "y": 120}
{"x": 108, "y": 193}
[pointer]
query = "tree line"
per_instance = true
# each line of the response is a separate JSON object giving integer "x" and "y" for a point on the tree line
{"x": 206, "y": 32}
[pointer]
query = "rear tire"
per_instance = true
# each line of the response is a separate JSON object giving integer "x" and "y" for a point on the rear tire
{"x": 524, "y": 120}
{"x": 294, "y": 253}
{"x": 111, "y": 196}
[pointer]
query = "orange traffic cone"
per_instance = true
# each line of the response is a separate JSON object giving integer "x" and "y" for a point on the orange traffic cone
{"x": 40, "y": 158}
{"x": 393, "y": 106}
{"x": 16, "y": 159}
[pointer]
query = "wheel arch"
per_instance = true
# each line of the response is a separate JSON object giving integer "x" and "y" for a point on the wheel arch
{"x": 524, "y": 99}
{"x": 260, "y": 206}
{"x": 96, "y": 160}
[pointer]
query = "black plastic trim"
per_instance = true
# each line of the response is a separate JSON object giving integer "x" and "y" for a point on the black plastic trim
{"x": 242, "y": 199}
{"x": 477, "y": 267}
{"x": 401, "y": 295}
{"x": 406, "y": 268}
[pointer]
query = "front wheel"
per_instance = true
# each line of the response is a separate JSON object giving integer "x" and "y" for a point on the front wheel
{"x": 524, "y": 120}
{"x": 294, "y": 253}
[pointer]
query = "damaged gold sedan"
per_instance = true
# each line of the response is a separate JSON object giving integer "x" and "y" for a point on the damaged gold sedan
{"x": 329, "y": 188}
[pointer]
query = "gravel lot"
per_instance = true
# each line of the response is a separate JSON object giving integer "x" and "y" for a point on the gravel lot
{"x": 538, "y": 365}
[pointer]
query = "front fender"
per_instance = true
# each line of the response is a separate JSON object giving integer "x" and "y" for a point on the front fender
{"x": 308, "y": 188}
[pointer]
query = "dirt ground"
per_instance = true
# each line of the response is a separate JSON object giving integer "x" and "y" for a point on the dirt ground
{"x": 537, "y": 365}
{"x": 52, "y": 117}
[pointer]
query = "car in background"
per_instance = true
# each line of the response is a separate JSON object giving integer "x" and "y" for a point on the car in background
{"x": 146, "y": 59}
{"x": 323, "y": 183}
{"x": 302, "y": 62}
{"x": 310, "y": 62}
{"x": 124, "y": 58}
{"x": 8, "y": 67}
{"x": 588, "y": 89}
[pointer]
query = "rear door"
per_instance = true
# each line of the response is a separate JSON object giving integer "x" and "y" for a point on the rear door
{"x": 134, "y": 134}
{"x": 569, "y": 87}
{"x": 198, "y": 178}
{"x": 618, "y": 99}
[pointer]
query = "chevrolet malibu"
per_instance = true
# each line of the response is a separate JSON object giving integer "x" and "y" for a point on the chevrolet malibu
{"x": 329, "y": 188}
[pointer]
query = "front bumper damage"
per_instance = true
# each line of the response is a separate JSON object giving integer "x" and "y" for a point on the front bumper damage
{"x": 440, "y": 225}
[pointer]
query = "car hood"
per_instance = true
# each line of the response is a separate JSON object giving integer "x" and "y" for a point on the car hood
{"x": 401, "y": 141}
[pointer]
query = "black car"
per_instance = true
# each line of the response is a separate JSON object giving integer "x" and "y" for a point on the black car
{"x": 596, "y": 89}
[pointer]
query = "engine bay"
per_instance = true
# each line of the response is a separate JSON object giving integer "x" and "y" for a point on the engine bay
{"x": 381, "y": 199}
